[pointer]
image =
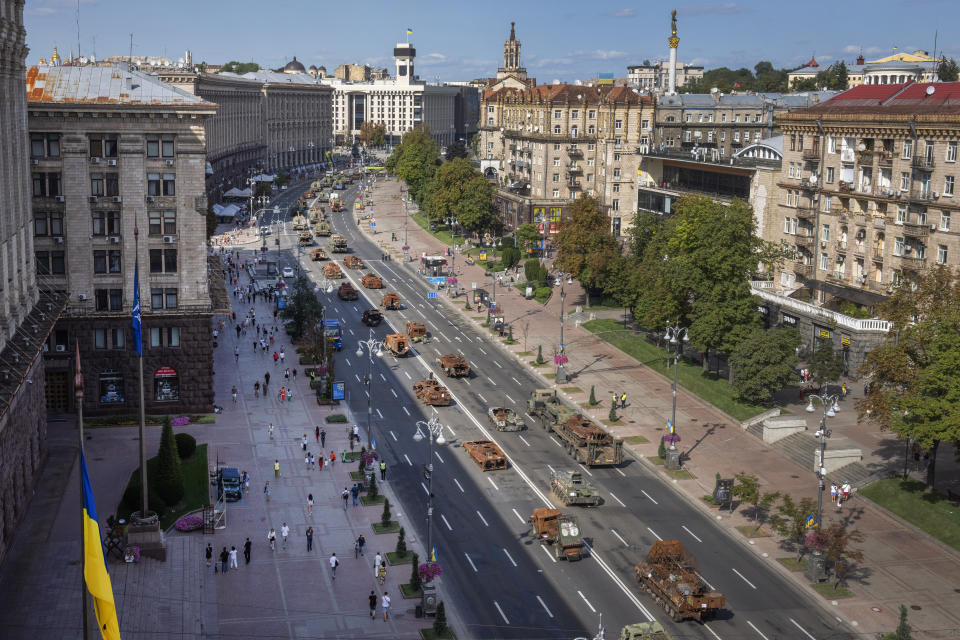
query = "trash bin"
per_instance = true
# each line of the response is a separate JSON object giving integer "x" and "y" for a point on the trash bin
{"x": 418, "y": 611}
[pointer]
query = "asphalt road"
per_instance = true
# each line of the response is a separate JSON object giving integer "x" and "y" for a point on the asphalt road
{"x": 502, "y": 582}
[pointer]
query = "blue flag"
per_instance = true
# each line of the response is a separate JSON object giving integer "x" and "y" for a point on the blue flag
{"x": 137, "y": 338}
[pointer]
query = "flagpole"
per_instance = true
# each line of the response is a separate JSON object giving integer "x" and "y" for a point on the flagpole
{"x": 138, "y": 337}
{"x": 78, "y": 395}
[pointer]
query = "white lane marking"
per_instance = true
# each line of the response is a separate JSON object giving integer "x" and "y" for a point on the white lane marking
{"x": 512, "y": 561}
{"x": 497, "y": 605}
{"x": 547, "y": 551}
{"x": 543, "y": 604}
{"x": 357, "y": 377}
{"x": 712, "y": 588}
{"x": 405, "y": 411}
{"x": 510, "y": 399}
{"x": 482, "y": 399}
{"x": 482, "y": 518}
{"x": 393, "y": 435}
{"x": 408, "y": 375}
{"x": 498, "y": 364}
{"x": 760, "y": 633}
{"x": 745, "y": 580}
{"x": 490, "y": 381}
{"x": 527, "y": 414}
{"x": 519, "y": 517}
{"x": 379, "y": 414}
{"x": 382, "y": 378}
{"x": 351, "y": 332}
{"x": 648, "y": 496}
{"x": 585, "y": 469}
{"x": 493, "y": 483}
{"x": 421, "y": 313}
{"x": 366, "y": 393}
{"x": 617, "y": 499}
{"x": 801, "y": 628}
{"x": 619, "y": 537}
{"x": 515, "y": 380}
{"x": 552, "y": 470}
{"x": 620, "y": 472}
{"x": 451, "y": 431}
{"x": 444, "y": 335}
{"x": 471, "y": 563}
{"x": 658, "y": 537}
{"x": 482, "y": 351}
{"x": 458, "y": 485}
{"x": 408, "y": 460}
{"x": 457, "y": 338}
{"x": 425, "y": 490}
{"x": 691, "y": 533}
{"x": 394, "y": 393}
{"x": 467, "y": 380}
{"x": 437, "y": 350}
{"x": 348, "y": 362}
{"x": 442, "y": 517}
{"x": 714, "y": 633}
{"x": 438, "y": 456}
{"x": 558, "y": 444}
{"x": 587, "y": 601}
{"x": 524, "y": 440}
{"x": 616, "y": 579}
{"x": 401, "y": 315}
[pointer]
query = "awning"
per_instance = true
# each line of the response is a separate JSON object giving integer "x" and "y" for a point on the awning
{"x": 238, "y": 193}
{"x": 165, "y": 372}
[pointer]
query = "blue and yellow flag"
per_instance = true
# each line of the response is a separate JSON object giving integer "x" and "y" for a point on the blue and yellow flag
{"x": 135, "y": 321}
{"x": 95, "y": 565}
{"x": 433, "y": 553}
{"x": 409, "y": 31}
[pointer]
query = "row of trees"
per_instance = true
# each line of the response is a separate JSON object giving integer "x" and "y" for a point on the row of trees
{"x": 454, "y": 189}
{"x": 763, "y": 78}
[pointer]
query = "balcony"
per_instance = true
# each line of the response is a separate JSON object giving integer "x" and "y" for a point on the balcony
{"x": 860, "y": 220}
{"x": 922, "y": 194}
{"x": 802, "y": 240}
{"x": 807, "y": 213}
{"x": 858, "y": 249}
{"x": 846, "y": 155}
{"x": 803, "y": 270}
{"x": 915, "y": 230}
{"x": 875, "y": 285}
{"x": 844, "y": 186}
{"x": 924, "y": 163}
{"x": 573, "y": 170}
{"x": 836, "y": 276}
{"x": 574, "y": 152}
{"x": 573, "y": 184}
{"x": 825, "y": 316}
{"x": 865, "y": 157}
{"x": 909, "y": 263}
{"x": 878, "y": 255}
{"x": 880, "y": 223}
{"x": 841, "y": 246}
{"x": 811, "y": 154}
{"x": 884, "y": 158}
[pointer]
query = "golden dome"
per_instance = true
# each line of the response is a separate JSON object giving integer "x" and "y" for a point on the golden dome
{"x": 55, "y": 58}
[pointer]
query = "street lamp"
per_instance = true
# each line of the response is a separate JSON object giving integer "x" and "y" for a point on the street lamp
{"x": 828, "y": 402}
{"x": 676, "y": 334}
{"x": 434, "y": 433}
{"x": 373, "y": 346}
{"x": 561, "y": 358}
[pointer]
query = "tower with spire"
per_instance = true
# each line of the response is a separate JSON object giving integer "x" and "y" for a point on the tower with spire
{"x": 512, "y": 74}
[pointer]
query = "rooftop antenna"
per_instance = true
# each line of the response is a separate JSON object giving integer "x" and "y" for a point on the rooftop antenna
{"x": 130, "y": 57}
{"x": 78, "y": 28}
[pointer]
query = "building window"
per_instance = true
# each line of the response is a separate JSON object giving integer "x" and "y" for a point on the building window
{"x": 736, "y": 138}
{"x": 904, "y": 181}
{"x": 112, "y": 184}
{"x": 42, "y": 258}
{"x": 824, "y": 262}
{"x": 688, "y": 117}
{"x": 618, "y": 124}
{"x": 616, "y": 188}
{"x": 103, "y": 145}
{"x": 948, "y": 185}
{"x": 831, "y": 144}
{"x": 557, "y": 114}
{"x": 645, "y": 125}
{"x": 616, "y": 173}
{"x": 99, "y": 261}
{"x": 156, "y": 298}
{"x": 556, "y": 129}
{"x": 116, "y": 338}
{"x": 827, "y": 204}
{"x": 616, "y": 205}
{"x": 825, "y": 233}
{"x": 40, "y": 225}
{"x": 170, "y": 298}
{"x": 830, "y": 171}
{"x": 942, "y": 254}
{"x": 111, "y": 388}
{"x": 109, "y": 299}
{"x": 723, "y": 117}
{"x": 574, "y": 114}
{"x": 592, "y": 114}
{"x": 160, "y": 146}
{"x": 898, "y": 246}
{"x": 901, "y": 214}
{"x": 58, "y": 260}
{"x": 944, "y": 221}
{"x": 490, "y": 109}
{"x": 556, "y": 193}
{"x": 166, "y": 384}
{"x": 173, "y": 337}
{"x": 169, "y": 184}
{"x": 153, "y": 184}
{"x": 556, "y": 177}
{"x": 96, "y": 184}
{"x": 45, "y": 144}
{"x": 99, "y": 338}
{"x": 907, "y": 149}
{"x": 156, "y": 337}
{"x": 163, "y": 260}
{"x": 952, "y": 151}
{"x": 556, "y": 162}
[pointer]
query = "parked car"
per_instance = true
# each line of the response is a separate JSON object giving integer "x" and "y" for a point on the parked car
{"x": 288, "y": 272}
{"x": 228, "y": 484}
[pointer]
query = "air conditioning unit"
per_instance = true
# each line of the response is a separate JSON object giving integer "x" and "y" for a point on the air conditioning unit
{"x": 117, "y": 199}
{"x": 95, "y": 160}
{"x": 115, "y": 239}
{"x": 112, "y": 163}
{"x": 933, "y": 227}
{"x": 61, "y": 348}
{"x": 35, "y": 162}
{"x": 169, "y": 163}
{"x": 82, "y": 296}
{"x": 936, "y": 194}
{"x": 169, "y": 239}
{"x": 59, "y": 239}
{"x": 150, "y": 198}
{"x": 823, "y": 244}
{"x": 60, "y": 199}
{"x": 93, "y": 198}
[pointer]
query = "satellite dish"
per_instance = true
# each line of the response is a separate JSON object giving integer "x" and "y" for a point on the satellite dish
{"x": 813, "y": 179}
{"x": 930, "y": 90}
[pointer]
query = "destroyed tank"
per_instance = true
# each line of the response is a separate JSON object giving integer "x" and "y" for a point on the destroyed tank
{"x": 560, "y": 530}
{"x": 454, "y": 365}
{"x": 347, "y": 292}
{"x": 391, "y": 301}
{"x": 338, "y": 244}
{"x": 305, "y": 238}
{"x": 487, "y": 454}
{"x": 332, "y": 271}
{"x": 318, "y": 254}
{"x": 416, "y": 331}
{"x": 396, "y": 343}
{"x": 571, "y": 489}
{"x": 671, "y": 576}
{"x": 371, "y": 281}
{"x": 432, "y": 392}
{"x": 299, "y": 223}
{"x": 353, "y": 262}
{"x": 322, "y": 228}
{"x": 504, "y": 419}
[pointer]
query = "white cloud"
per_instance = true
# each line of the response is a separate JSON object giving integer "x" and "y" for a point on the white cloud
{"x": 600, "y": 54}
{"x": 40, "y": 11}
{"x": 433, "y": 58}
{"x": 624, "y": 13}
{"x": 853, "y": 48}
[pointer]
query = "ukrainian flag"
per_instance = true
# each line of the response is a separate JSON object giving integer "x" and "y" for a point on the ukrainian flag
{"x": 95, "y": 565}
{"x": 433, "y": 553}
{"x": 409, "y": 31}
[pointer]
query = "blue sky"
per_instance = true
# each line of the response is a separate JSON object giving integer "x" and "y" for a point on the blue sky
{"x": 456, "y": 40}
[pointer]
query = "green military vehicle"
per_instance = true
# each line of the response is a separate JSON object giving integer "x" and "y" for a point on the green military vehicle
{"x": 644, "y": 631}
{"x": 571, "y": 489}
{"x": 322, "y": 228}
{"x": 299, "y": 223}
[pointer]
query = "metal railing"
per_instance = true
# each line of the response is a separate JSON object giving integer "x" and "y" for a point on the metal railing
{"x": 825, "y": 315}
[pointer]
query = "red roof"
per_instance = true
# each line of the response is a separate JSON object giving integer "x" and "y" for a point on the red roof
{"x": 906, "y": 98}
{"x": 813, "y": 62}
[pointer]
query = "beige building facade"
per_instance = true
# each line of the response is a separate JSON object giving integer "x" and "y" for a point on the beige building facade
{"x": 125, "y": 187}
{"x": 654, "y": 76}
{"x": 548, "y": 145}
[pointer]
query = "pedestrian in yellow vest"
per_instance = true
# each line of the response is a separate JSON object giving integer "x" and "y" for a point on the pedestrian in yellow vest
{"x": 276, "y": 468}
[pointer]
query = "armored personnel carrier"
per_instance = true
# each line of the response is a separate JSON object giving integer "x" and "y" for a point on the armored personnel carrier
{"x": 584, "y": 441}
{"x": 391, "y": 301}
{"x": 318, "y": 254}
{"x": 332, "y": 271}
{"x": 397, "y": 344}
{"x": 299, "y": 223}
{"x": 562, "y": 531}
{"x": 431, "y": 392}
{"x": 353, "y": 262}
{"x": 347, "y": 292}
{"x": 417, "y": 331}
{"x": 454, "y": 365}
{"x": 371, "y": 281}
{"x": 322, "y": 228}
{"x": 487, "y": 454}
{"x": 671, "y": 576}
{"x": 504, "y": 419}
{"x": 338, "y": 244}
{"x": 571, "y": 489}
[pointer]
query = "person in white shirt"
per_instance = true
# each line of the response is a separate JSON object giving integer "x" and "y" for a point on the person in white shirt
{"x": 233, "y": 558}
{"x": 284, "y": 532}
{"x": 334, "y": 563}
{"x": 376, "y": 564}
{"x": 385, "y": 605}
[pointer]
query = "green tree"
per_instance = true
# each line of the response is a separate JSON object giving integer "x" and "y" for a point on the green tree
{"x": 415, "y": 160}
{"x": 385, "y": 516}
{"x": 585, "y": 247}
{"x": 239, "y": 67}
{"x": 915, "y": 375}
{"x": 460, "y": 191}
{"x": 839, "y": 551}
{"x": 169, "y": 477}
{"x": 947, "y": 70}
{"x": 903, "y": 631}
{"x": 372, "y": 490}
{"x": 528, "y": 237}
{"x": 401, "y": 549}
{"x": 415, "y": 580}
{"x": 826, "y": 365}
{"x": 378, "y": 136}
{"x": 457, "y": 149}
{"x": 540, "y": 359}
{"x": 593, "y": 396}
{"x": 612, "y": 416}
{"x": 764, "y": 363}
{"x": 790, "y": 520}
{"x": 303, "y": 308}
{"x": 440, "y": 621}
{"x": 747, "y": 488}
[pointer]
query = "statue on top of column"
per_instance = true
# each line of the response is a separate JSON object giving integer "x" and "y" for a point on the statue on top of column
{"x": 673, "y": 22}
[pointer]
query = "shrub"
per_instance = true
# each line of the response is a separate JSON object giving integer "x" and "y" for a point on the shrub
{"x": 186, "y": 445}
{"x": 169, "y": 480}
{"x": 662, "y": 450}
{"x": 542, "y": 293}
{"x": 593, "y": 397}
{"x": 188, "y": 523}
{"x": 612, "y": 416}
{"x": 373, "y": 491}
{"x": 336, "y": 418}
{"x": 385, "y": 516}
{"x": 440, "y": 621}
{"x": 401, "y": 549}
{"x": 415, "y": 581}
{"x": 540, "y": 359}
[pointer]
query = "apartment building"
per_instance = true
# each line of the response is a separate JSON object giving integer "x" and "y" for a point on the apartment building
{"x": 654, "y": 77}
{"x": 550, "y": 144}
{"x": 118, "y": 161}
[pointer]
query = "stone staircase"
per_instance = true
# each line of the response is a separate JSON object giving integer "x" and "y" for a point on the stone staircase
{"x": 801, "y": 448}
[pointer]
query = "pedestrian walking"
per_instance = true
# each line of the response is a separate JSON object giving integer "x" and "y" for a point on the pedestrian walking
{"x": 316, "y": 432}
{"x": 845, "y": 489}
{"x": 236, "y": 350}
{"x": 303, "y": 442}
{"x": 356, "y": 433}
{"x": 266, "y": 380}
{"x": 376, "y": 563}
{"x": 224, "y": 558}
{"x": 209, "y": 554}
{"x": 233, "y": 558}
{"x": 306, "y": 460}
{"x": 383, "y": 470}
{"x": 281, "y": 355}
{"x": 361, "y": 543}
{"x": 355, "y": 492}
{"x": 333, "y": 458}
{"x": 233, "y": 392}
{"x": 345, "y": 495}
{"x": 385, "y": 605}
{"x": 623, "y": 401}
{"x": 276, "y": 468}
{"x": 272, "y": 539}
{"x": 833, "y": 493}
{"x": 270, "y": 430}
{"x": 294, "y": 374}
{"x": 323, "y": 438}
{"x": 246, "y": 551}
{"x": 246, "y": 481}
{"x": 334, "y": 563}
{"x": 309, "y": 538}
{"x": 276, "y": 356}
{"x": 286, "y": 375}
{"x": 614, "y": 405}
{"x": 373, "y": 604}
{"x": 313, "y": 462}
{"x": 256, "y": 389}
{"x": 284, "y": 533}
{"x": 382, "y": 572}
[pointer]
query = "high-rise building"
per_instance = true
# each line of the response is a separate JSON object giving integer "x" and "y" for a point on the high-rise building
{"x": 118, "y": 161}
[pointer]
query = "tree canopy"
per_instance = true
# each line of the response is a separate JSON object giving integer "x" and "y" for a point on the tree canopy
{"x": 457, "y": 149}
{"x": 585, "y": 246}
{"x": 459, "y": 191}
{"x": 833, "y": 77}
{"x": 947, "y": 70}
{"x": 415, "y": 160}
{"x": 239, "y": 67}
{"x": 764, "y": 363}
{"x": 303, "y": 308}
{"x": 373, "y": 134}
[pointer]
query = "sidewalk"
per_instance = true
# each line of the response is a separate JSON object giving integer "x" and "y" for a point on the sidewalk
{"x": 900, "y": 565}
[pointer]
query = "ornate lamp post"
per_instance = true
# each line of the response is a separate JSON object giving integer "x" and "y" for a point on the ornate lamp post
{"x": 373, "y": 346}
{"x": 561, "y": 358}
{"x": 675, "y": 334}
{"x": 434, "y": 433}
{"x": 816, "y": 566}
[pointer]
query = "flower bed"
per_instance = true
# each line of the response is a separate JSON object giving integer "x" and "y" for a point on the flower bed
{"x": 190, "y": 522}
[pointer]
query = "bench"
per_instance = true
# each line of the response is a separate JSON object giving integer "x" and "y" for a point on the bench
{"x": 953, "y": 497}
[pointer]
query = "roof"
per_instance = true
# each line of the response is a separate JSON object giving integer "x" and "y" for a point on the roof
{"x": 294, "y": 66}
{"x": 272, "y": 77}
{"x": 900, "y": 64}
{"x": 909, "y": 98}
{"x": 813, "y": 62}
{"x": 570, "y": 93}
{"x": 104, "y": 85}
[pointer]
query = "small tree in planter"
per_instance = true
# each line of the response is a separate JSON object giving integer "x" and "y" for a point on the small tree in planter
{"x": 385, "y": 516}
{"x": 612, "y": 416}
{"x": 440, "y": 621}
{"x": 415, "y": 581}
{"x": 593, "y": 397}
{"x": 401, "y": 549}
{"x": 540, "y": 354}
{"x": 662, "y": 450}
{"x": 372, "y": 490}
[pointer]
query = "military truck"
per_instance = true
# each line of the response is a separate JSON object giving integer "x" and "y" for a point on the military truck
{"x": 372, "y": 317}
{"x": 372, "y": 281}
{"x": 571, "y": 489}
{"x": 487, "y": 454}
{"x": 454, "y": 365}
{"x": 299, "y": 223}
{"x": 417, "y": 331}
{"x": 338, "y": 244}
{"x": 347, "y": 292}
{"x": 318, "y": 254}
{"x": 562, "y": 531}
{"x": 644, "y": 631}
{"x": 391, "y": 301}
{"x": 353, "y": 262}
{"x": 332, "y": 271}
{"x": 584, "y": 441}
{"x": 504, "y": 419}
{"x": 322, "y": 228}
{"x": 432, "y": 392}
{"x": 396, "y": 343}
{"x": 305, "y": 238}
{"x": 670, "y": 575}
